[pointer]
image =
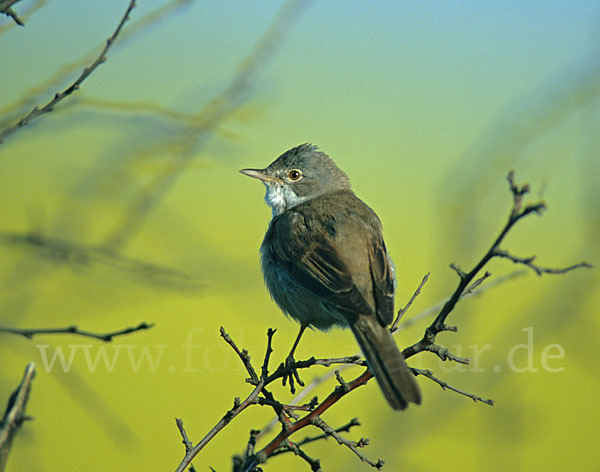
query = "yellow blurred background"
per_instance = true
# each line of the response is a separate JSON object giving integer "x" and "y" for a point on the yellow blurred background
{"x": 131, "y": 185}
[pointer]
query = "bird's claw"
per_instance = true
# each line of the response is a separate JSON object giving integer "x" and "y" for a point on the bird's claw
{"x": 291, "y": 374}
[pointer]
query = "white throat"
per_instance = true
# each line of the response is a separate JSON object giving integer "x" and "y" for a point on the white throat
{"x": 281, "y": 197}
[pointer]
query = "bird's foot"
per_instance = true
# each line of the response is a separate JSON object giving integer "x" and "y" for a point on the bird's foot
{"x": 291, "y": 374}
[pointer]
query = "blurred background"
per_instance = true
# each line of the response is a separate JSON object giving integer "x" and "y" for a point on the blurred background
{"x": 125, "y": 205}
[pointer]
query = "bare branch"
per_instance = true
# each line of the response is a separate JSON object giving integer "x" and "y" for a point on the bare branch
{"x": 444, "y": 354}
{"x": 289, "y": 446}
{"x": 31, "y": 8}
{"x": 476, "y": 284}
{"x": 402, "y": 311}
{"x": 106, "y": 337}
{"x": 289, "y": 415}
{"x": 517, "y": 213}
{"x": 46, "y": 87}
{"x": 58, "y": 97}
{"x": 352, "y": 445}
{"x": 472, "y": 291}
{"x": 205, "y": 122}
{"x": 186, "y": 442}
{"x": 243, "y": 355}
{"x": 5, "y": 8}
{"x": 528, "y": 261}
{"x": 447, "y": 386}
{"x": 63, "y": 251}
{"x": 238, "y": 405}
{"x": 15, "y": 414}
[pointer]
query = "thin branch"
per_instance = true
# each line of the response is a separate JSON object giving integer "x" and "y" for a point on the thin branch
{"x": 474, "y": 291}
{"x": 59, "y": 77}
{"x": 402, "y": 311}
{"x": 406, "y": 322}
{"x": 444, "y": 354}
{"x": 5, "y": 8}
{"x": 306, "y": 420}
{"x": 58, "y": 97}
{"x": 268, "y": 352}
{"x": 284, "y": 370}
{"x": 186, "y": 143}
{"x": 518, "y": 211}
{"x": 106, "y": 337}
{"x": 528, "y": 261}
{"x": 352, "y": 445}
{"x": 15, "y": 414}
{"x": 287, "y": 414}
{"x": 238, "y": 405}
{"x": 342, "y": 429}
{"x": 186, "y": 441}
{"x": 65, "y": 251}
{"x": 30, "y": 10}
{"x": 289, "y": 446}
{"x": 476, "y": 284}
{"x": 447, "y": 386}
{"x": 242, "y": 354}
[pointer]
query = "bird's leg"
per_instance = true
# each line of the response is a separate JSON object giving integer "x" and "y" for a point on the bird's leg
{"x": 292, "y": 374}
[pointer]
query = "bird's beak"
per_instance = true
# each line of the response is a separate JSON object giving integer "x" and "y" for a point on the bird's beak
{"x": 259, "y": 174}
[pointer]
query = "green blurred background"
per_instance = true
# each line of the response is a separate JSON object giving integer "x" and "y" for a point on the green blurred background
{"x": 131, "y": 184}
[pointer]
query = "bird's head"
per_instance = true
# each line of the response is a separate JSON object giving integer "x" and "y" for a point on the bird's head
{"x": 300, "y": 174}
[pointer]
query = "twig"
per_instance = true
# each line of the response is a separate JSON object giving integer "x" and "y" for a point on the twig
{"x": 306, "y": 420}
{"x": 65, "y": 251}
{"x": 474, "y": 291}
{"x": 287, "y": 415}
{"x": 528, "y": 261}
{"x": 342, "y": 429}
{"x": 238, "y": 405}
{"x": 268, "y": 352}
{"x": 187, "y": 142}
{"x": 406, "y": 322}
{"x": 477, "y": 283}
{"x": 15, "y": 414}
{"x": 352, "y": 445}
{"x": 58, "y": 97}
{"x": 289, "y": 446}
{"x": 24, "y": 16}
{"x": 402, "y": 311}
{"x": 59, "y": 77}
{"x": 242, "y": 354}
{"x": 284, "y": 370}
{"x": 186, "y": 441}
{"x": 106, "y": 337}
{"x": 5, "y": 8}
{"x": 446, "y": 386}
{"x": 518, "y": 211}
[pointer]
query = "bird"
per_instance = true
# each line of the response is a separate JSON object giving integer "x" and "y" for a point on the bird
{"x": 325, "y": 263}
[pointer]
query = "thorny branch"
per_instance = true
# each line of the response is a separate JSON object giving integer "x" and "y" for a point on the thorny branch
{"x": 106, "y": 337}
{"x": 469, "y": 283}
{"x": 59, "y": 96}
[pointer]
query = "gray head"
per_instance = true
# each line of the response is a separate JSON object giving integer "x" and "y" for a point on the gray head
{"x": 298, "y": 175}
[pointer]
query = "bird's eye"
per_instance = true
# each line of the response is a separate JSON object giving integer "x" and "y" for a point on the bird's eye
{"x": 294, "y": 174}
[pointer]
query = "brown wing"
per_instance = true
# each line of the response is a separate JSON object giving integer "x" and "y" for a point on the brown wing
{"x": 382, "y": 275}
{"x": 321, "y": 270}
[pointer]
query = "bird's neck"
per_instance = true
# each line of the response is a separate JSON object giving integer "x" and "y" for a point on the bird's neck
{"x": 281, "y": 198}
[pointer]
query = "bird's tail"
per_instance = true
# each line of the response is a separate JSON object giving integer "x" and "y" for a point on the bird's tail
{"x": 386, "y": 362}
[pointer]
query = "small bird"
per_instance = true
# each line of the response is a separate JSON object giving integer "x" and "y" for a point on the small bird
{"x": 325, "y": 263}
